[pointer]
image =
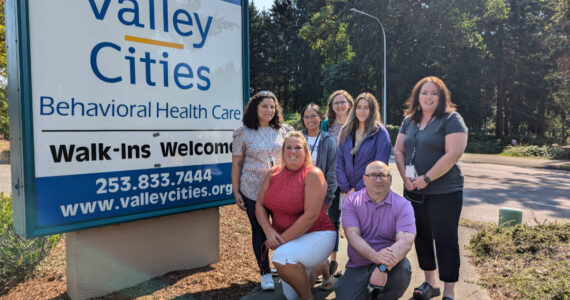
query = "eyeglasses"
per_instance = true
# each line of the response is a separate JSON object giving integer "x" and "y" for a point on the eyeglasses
{"x": 310, "y": 117}
{"x": 339, "y": 103}
{"x": 377, "y": 176}
{"x": 266, "y": 93}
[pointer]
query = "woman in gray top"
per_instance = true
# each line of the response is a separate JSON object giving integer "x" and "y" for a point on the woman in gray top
{"x": 432, "y": 138}
{"x": 323, "y": 150}
{"x": 256, "y": 148}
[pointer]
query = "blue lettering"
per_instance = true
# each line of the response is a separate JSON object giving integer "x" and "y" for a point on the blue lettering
{"x": 178, "y": 74}
{"x": 94, "y": 66}
{"x": 147, "y": 62}
{"x": 48, "y": 105}
{"x": 62, "y": 108}
{"x": 176, "y": 20}
{"x": 204, "y": 78}
{"x": 99, "y": 14}
{"x": 203, "y": 33}
{"x": 134, "y": 11}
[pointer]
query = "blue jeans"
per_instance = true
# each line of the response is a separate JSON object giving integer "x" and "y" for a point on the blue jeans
{"x": 257, "y": 237}
{"x": 354, "y": 282}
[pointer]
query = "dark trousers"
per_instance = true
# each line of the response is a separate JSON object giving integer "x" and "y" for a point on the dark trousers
{"x": 353, "y": 283}
{"x": 257, "y": 237}
{"x": 334, "y": 214}
{"x": 438, "y": 218}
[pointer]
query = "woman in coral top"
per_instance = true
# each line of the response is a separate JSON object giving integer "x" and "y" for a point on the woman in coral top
{"x": 301, "y": 233}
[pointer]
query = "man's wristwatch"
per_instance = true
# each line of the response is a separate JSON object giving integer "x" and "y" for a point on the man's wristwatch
{"x": 383, "y": 268}
{"x": 427, "y": 179}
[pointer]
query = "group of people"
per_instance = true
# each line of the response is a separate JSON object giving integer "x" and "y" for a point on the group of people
{"x": 294, "y": 185}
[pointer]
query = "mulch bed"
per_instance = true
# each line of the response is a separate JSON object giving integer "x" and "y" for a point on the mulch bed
{"x": 233, "y": 277}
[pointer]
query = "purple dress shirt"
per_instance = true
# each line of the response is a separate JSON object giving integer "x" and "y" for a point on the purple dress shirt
{"x": 378, "y": 223}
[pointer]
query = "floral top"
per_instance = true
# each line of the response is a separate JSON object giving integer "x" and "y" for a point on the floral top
{"x": 334, "y": 131}
{"x": 261, "y": 149}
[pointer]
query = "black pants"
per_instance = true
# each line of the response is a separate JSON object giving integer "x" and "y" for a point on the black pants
{"x": 438, "y": 218}
{"x": 334, "y": 214}
{"x": 257, "y": 237}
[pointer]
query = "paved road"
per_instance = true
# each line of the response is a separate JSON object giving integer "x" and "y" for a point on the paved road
{"x": 543, "y": 193}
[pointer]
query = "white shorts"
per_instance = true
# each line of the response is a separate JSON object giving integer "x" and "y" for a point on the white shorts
{"x": 310, "y": 250}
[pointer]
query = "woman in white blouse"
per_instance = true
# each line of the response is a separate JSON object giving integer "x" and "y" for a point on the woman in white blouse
{"x": 256, "y": 148}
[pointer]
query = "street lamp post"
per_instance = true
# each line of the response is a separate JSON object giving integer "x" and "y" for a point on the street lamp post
{"x": 354, "y": 10}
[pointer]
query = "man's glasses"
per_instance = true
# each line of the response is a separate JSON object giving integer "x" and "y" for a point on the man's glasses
{"x": 339, "y": 103}
{"x": 266, "y": 93}
{"x": 310, "y": 117}
{"x": 374, "y": 176}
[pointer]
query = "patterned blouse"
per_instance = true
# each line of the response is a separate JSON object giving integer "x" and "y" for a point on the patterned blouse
{"x": 261, "y": 149}
{"x": 334, "y": 131}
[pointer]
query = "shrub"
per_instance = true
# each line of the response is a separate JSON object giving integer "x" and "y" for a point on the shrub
{"x": 482, "y": 143}
{"x": 551, "y": 152}
{"x": 294, "y": 120}
{"x": 393, "y": 130}
{"x": 18, "y": 256}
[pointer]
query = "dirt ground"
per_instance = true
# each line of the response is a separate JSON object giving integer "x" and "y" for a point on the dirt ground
{"x": 4, "y": 151}
{"x": 234, "y": 276}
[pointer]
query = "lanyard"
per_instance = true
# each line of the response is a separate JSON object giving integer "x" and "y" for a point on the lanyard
{"x": 416, "y": 137}
{"x": 315, "y": 143}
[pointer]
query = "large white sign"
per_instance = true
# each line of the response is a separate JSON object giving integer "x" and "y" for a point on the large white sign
{"x": 134, "y": 103}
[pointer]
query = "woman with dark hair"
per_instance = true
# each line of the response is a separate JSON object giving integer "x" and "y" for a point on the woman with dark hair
{"x": 431, "y": 140}
{"x": 323, "y": 150}
{"x": 300, "y": 231}
{"x": 339, "y": 106}
{"x": 256, "y": 148}
{"x": 363, "y": 140}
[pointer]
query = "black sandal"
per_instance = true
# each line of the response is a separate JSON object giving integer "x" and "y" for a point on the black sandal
{"x": 427, "y": 292}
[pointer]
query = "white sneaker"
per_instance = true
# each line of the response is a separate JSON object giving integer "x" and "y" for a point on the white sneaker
{"x": 267, "y": 282}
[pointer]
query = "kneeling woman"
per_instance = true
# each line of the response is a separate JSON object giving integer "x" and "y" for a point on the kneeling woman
{"x": 302, "y": 233}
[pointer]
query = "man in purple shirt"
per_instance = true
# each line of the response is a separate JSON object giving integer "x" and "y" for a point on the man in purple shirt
{"x": 380, "y": 228}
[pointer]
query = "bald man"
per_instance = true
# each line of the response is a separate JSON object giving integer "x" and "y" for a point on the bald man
{"x": 380, "y": 228}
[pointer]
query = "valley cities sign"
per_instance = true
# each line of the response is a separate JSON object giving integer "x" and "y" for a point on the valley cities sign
{"x": 124, "y": 108}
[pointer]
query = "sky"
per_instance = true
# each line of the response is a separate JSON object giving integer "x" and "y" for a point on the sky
{"x": 262, "y": 4}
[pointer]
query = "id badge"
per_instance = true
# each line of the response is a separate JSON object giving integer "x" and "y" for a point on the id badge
{"x": 411, "y": 172}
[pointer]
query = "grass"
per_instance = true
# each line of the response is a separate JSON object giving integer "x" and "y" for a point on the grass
{"x": 523, "y": 261}
{"x": 18, "y": 256}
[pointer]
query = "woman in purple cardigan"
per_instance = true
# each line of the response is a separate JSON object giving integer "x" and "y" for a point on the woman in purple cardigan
{"x": 363, "y": 140}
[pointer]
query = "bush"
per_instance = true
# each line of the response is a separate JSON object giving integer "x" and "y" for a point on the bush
{"x": 551, "y": 152}
{"x": 18, "y": 256}
{"x": 294, "y": 120}
{"x": 393, "y": 130}
{"x": 482, "y": 143}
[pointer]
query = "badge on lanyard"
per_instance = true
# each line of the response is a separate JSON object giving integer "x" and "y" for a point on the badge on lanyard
{"x": 411, "y": 172}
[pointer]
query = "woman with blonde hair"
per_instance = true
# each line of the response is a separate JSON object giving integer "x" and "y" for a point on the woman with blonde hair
{"x": 363, "y": 140}
{"x": 338, "y": 108}
{"x": 300, "y": 231}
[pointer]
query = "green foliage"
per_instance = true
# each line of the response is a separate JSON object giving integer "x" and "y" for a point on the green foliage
{"x": 4, "y": 120}
{"x": 484, "y": 144}
{"x": 551, "y": 152}
{"x": 393, "y": 130}
{"x": 294, "y": 120}
{"x": 525, "y": 262}
{"x": 18, "y": 256}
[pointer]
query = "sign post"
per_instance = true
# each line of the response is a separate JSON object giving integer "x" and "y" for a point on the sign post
{"x": 122, "y": 110}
